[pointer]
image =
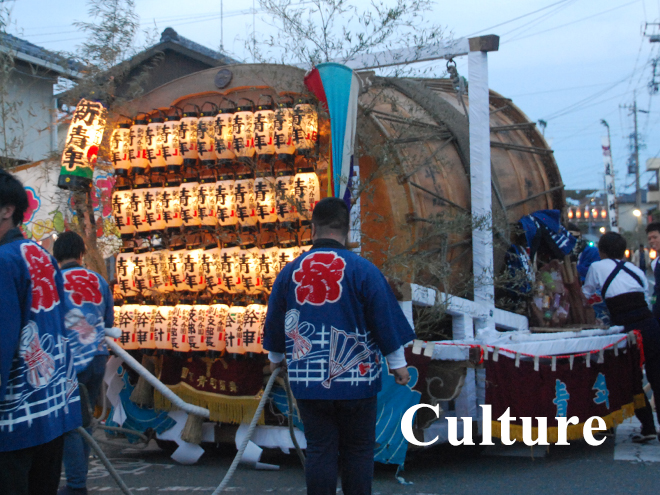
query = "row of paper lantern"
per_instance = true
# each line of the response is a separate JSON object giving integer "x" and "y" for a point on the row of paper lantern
{"x": 593, "y": 212}
{"x": 191, "y": 328}
{"x": 230, "y": 269}
{"x": 216, "y": 135}
{"x": 225, "y": 201}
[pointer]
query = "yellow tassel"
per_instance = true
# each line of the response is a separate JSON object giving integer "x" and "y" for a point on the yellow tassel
{"x": 143, "y": 393}
{"x": 192, "y": 431}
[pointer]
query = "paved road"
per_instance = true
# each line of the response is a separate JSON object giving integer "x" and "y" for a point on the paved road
{"x": 616, "y": 467}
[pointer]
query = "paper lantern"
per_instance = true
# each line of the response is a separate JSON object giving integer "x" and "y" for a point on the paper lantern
{"x": 264, "y": 195}
{"x": 234, "y": 330}
{"x": 141, "y": 269}
{"x": 81, "y": 147}
{"x": 179, "y": 327}
{"x": 264, "y": 130}
{"x": 206, "y": 135}
{"x": 283, "y": 132}
{"x": 120, "y": 143}
{"x": 224, "y": 130}
{"x": 188, "y": 136}
{"x": 189, "y": 200}
{"x": 126, "y": 323}
{"x": 137, "y": 209}
{"x": 288, "y": 252}
{"x": 121, "y": 211}
{"x": 305, "y": 126}
{"x": 268, "y": 265}
{"x": 197, "y": 327}
{"x": 175, "y": 268}
{"x": 172, "y": 204}
{"x": 154, "y": 145}
{"x": 216, "y": 319}
{"x": 306, "y": 192}
{"x": 284, "y": 201}
{"x": 162, "y": 319}
{"x": 152, "y": 202}
{"x": 124, "y": 271}
{"x": 207, "y": 202}
{"x": 192, "y": 267}
{"x": 212, "y": 268}
{"x": 248, "y": 269}
{"x": 138, "y": 149}
{"x": 578, "y": 213}
{"x": 246, "y": 205}
{"x": 158, "y": 273}
{"x": 225, "y": 200}
{"x": 586, "y": 213}
{"x": 570, "y": 213}
{"x": 144, "y": 330}
{"x": 230, "y": 273}
{"x": 117, "y": 314}
{"x": 169, "y": 142}
{"x": 603, "y": 213}
{"x": 243, "y": 131}
{"x": 253, "y": 327}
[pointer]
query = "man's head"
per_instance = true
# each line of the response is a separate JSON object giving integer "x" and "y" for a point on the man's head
{"x": 653, "y": 235}
{"x": 330, "y": 219}
{"x": 13, "y": 202}
{"x": 69, "y": 246}
{"x": 612, "y": 245}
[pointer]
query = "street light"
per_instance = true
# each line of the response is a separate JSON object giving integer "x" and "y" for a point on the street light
{"x": 637, "y": 212}
{"x": 602, "y": 230}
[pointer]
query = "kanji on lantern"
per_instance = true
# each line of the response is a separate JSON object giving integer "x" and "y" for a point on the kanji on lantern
{"x": 211, "y": 265}
{"x": 207, "y": 202}
{"x": 234, "y": 330}
{"x": 225, "y": 201}
{"x": 124, "y": 267}
{"x": 138, "y": 147}
{"x": 197, "y": 327}
{"x": 169, "y": 143}
{"x": 231, "y": 279}
{"x": 144, "y": 331}
{"x": 306, "y": 192}
{"x": 248, "y": 269}
{"x": 171, "y": 204}
{"x": 122, "y": 210}
{"x": 126, "y": 323}
{"x": 180, "y": 321}
{"x": 246, "y": 204}
{"x": 283, "y": 129}
{"x": 154, "y": 144}
{"x": 305, "y": 126}
{"x": 192, "y": 268}
{"x": 264, "y": 194}
{"x": 223, "y": 134}
{"x": 188, "y": 136}
{"x": 120, "y": 142}
{"x": 264, "y": 130}
{"x": 253, "y": 327}
{"x": 284, "y": 199}
{"x": 216, "y": 319}
{"x": 243, "y": 131}
{"x": 189, "y": 201}
{"x": 162, "y": 320}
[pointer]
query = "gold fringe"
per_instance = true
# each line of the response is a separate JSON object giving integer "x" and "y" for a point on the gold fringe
{"x": 639, "y": 401}
{"x": 223, "y": 408}
{"x": 573, "y": 432}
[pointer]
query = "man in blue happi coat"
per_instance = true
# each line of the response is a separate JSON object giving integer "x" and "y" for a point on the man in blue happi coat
{"x": 90, "y": 298}
{"x": 39, "y": 400}
{"x": 333, "y": 316}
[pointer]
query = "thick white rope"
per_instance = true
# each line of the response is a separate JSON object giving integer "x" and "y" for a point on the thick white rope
{"x": 95, "y": 446}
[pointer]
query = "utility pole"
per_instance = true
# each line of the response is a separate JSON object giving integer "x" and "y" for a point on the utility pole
{"x": 638, "y": 191}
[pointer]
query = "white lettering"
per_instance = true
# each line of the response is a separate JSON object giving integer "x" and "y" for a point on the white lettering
{"x": 406, "y": 424}
{"x": 542, "y": 431}
{"x": 505, "y": 427}
{"x": 562, "y": 428}
{"x": 453, "y": 431}
{"x": 588, "y": 429}
{"x": 486, "y": 425}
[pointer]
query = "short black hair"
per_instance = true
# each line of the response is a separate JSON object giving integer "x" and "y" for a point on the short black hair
{"x": 68, "y": 246}
{"x": 613, "y": 245}
{"x": 571, "y": 227}
{"x": 653, "y": 227}
{"x": 13, "y": 194}
{"x": 331, "y": 214}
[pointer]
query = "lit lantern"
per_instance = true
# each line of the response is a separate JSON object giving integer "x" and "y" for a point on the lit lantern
{"x": 138, "y": 149}
{"x": 225, "y": 200}
{"x": 231, "y": 280}
{"x": 284, "y": 201}
{"x": 264, "y": 195}
{"x": 162, "y": 318}
{"x": 192, "y": 268}
{"x": 158, "y": 274}
{"x": 206, "y": 135}
{"x": 121, "y": 211}
{"x": 120, "y": 143}
{"x": 288, "y": 252}
{"x": 82, "y": 146}
{"x": 171, "y": 204}
{"x": 117, "y": 315}
{"x": 223, "y": 132}
{"x": 126, "y": 323}
{"x": 305, "y": 126}
{"x": 212, "y": 268}
{"x": 125, "y": 268}
{"x": 144, "y": 330}
{"x": 586, "y": 213}
{"x": 264, "y": 129}
{"x": 283, "y": 132}
{"x": 154, "y": 140}
{"x": 137, "y": 209}
{"x": 141, "y": 269}
{"x": 306, "y": 192}
{"x": 594, "y": 213}
{"x": 197, "y": 327}
{"x": 627, "y": 253}
{"x": 570, "y": 213}
{"x": 248, "y": 269}
{"x": 169, "y": 142}
{"x": 253, "y": 327}
{"x": 216, "y": 320}
{"x": 578, "y": 213}
{"x": 175, "y": 269}
{"x": 653, "y": 254}
{"x": 188, "y": 136}
{"x": 152, "y": 202}
{"x": 246, "y": 205}
{"x": 603, "y": 213}
{"x": 234, "y": 330}
{"x": 207, "y": 202}
{"x": 189, "y": 201}
{"x": 268, "y": 265}
{"x": 243, "y": 131}
{"x": 179, "y": 327}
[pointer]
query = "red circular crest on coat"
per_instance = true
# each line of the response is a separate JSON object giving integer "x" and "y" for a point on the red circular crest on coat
{"x": 42, "y": 277}
{"x": 82, "y": 286}
{"x": 318, "y": 279}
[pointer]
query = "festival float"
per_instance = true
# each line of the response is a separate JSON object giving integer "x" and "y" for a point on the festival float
{"x": 216, "y": 175}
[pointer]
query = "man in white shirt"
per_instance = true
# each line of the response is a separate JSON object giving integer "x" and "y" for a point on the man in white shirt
{"x": 624, "y": 288}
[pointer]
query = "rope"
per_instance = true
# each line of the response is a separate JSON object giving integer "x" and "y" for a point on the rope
{"x": 289, "y": 400}
{"x": 95, "y": 446}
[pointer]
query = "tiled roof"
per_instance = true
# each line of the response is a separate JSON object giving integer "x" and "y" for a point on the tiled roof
{"x": 170, "y": 35}
{"x": 21, "y": 46}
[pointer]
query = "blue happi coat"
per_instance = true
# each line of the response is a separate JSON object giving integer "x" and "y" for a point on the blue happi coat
{"x": 334, "y": 315}
{"x": 39, "y": 398}
{"x": 91, "y": 302}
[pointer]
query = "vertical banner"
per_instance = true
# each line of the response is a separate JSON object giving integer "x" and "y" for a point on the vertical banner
{"x": 612, "y": 207}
